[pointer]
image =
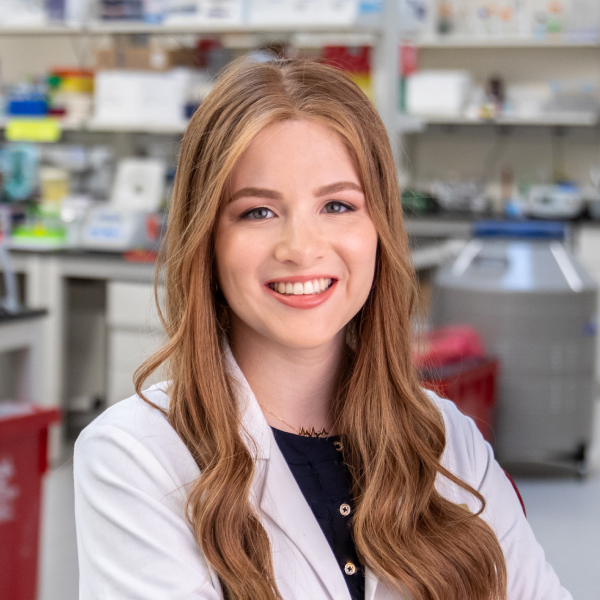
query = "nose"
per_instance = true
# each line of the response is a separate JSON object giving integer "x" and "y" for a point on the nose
{"x": 301, "y": 242}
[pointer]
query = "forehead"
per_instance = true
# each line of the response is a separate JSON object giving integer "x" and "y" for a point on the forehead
{"x": 298, "y": 152}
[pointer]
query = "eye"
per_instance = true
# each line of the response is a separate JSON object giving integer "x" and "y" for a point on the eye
{"x": 257, "y": 214}
{"x": 335, "y": 207}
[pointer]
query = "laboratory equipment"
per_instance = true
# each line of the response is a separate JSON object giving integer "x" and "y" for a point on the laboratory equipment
{"x": 561, "y": 201}
{"x": 128, "y": 220}
{"x": 535, "y": 308}
{"x": 18, "y": 167}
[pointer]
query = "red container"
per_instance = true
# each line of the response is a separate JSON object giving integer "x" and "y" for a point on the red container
{"x": 471, "y": 385}
{"x": 353, "y": 59}
{"x": 445, "y": 346}
{"x": 23, "y": 461}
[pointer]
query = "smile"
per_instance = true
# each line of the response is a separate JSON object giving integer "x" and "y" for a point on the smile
{"x": 302, "y": 294}
{"x": 315, "y": 286}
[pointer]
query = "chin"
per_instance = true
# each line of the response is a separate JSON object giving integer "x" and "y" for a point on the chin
{"x": 306, "y": 338}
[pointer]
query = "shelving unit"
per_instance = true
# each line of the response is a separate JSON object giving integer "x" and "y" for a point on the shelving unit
{"x": 382, "y": 31}
{"x": 532, "y": 149}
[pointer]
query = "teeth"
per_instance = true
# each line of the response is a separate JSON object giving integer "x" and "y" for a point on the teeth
{"x": 316, "y": 286}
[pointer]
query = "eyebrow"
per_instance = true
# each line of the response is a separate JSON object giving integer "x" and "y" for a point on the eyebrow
{"x": 339, "y": 186}
{"x": 332, "y": 188}
{"x": 250, "y": 192}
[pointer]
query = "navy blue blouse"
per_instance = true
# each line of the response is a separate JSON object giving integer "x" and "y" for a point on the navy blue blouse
{"x": 321, "y": 474}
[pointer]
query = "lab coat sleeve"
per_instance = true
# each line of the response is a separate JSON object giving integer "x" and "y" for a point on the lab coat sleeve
{"x": 530, "y": 577}
{"x": 133, "y": 540}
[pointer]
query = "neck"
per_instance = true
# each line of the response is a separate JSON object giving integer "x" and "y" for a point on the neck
{"x": 296, "y": 384}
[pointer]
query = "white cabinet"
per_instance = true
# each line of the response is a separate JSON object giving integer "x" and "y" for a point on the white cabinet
{"x": 134, "y": 333}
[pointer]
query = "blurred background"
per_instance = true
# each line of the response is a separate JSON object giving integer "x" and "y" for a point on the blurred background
{"x": 493, "y": 109}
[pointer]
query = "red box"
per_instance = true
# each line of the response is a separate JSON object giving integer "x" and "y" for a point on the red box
{"x": 23, "y": 461}
{"x": 471, "y": 385}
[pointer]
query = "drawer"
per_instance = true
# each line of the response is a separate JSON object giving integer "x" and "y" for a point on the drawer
{"x": 131, "y": 306}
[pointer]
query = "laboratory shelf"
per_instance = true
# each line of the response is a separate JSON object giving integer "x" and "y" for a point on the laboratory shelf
{"x": 405, "y": 124}
{"x": 459, "y": 42}
{"x": 105, "y": 127}
{"x": 42, "y": 29}
{"x": 551, "y": 120}
{"x": 103, "y": 28}
{"x": 137, "y": 27}
{"x": 167, "y": 129}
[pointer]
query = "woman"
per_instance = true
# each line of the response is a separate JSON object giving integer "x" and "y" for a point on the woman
{"x": 289, "y": 293}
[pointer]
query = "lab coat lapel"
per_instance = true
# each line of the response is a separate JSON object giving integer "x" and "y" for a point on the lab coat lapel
{"x": 276, "y": 492}
{"x": 283, "y": 502}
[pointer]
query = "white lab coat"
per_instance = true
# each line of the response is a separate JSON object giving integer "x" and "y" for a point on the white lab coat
{"x": 132, "y": 472}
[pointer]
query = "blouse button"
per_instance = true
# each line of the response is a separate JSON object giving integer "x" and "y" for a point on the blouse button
{"x": 349, "y": 568}
{"x": 345, "y": 510}
{"x": 338, "y": 446}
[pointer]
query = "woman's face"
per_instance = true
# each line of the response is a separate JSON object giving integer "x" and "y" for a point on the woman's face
{"x": 295, "y": 246}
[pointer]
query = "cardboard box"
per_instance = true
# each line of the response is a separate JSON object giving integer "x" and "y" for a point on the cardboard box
{"x": 126, "y": 97}
{"x": 144, "y": 58}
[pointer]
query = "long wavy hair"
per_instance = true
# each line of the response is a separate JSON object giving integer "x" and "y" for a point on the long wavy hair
{"x": 394, "y": 436}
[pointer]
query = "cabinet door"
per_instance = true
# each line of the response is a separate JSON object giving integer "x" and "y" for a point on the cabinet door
{"x": 134, "y": 333}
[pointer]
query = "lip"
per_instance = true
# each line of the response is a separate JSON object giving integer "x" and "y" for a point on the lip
{"x": 301, "y": 301}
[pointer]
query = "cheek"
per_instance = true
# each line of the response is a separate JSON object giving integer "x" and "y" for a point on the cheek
{"x": 225, "y": 252}
{"x": 238, "y": 257}
{"x": 361, "y": 251}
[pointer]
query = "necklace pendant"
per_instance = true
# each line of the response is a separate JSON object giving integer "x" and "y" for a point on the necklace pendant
{"x": 312, "y": 433}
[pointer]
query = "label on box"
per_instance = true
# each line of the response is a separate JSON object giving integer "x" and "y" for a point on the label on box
{"x": 33, "y": 130}
{"x": 370, "y": 7}
{"x": 303, "y": 12}
{"x": 214, "y": 12}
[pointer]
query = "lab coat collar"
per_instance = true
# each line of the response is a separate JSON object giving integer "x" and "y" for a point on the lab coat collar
{"x": 255, "y": 429}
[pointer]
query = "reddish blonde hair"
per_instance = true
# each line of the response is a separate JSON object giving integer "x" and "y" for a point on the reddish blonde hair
{"x": 404, "y": 529}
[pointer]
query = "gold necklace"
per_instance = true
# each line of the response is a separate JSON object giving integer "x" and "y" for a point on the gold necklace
{"x": 303, "y": 432}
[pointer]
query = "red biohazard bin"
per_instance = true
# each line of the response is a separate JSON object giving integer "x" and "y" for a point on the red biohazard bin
{"x": 23, "y": 461}
{"x": 471, "y": 385}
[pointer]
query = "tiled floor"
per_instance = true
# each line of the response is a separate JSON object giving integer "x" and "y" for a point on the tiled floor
{"x": 564, "y": 514}
{"x": 58, "y": 576}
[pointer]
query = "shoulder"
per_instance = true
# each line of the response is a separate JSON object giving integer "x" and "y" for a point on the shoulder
{"x": 467, "y": 454}
{"x": 134, "y": 415}
{"x": 132, "y": 437}
{"x": 132, "y": 476}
